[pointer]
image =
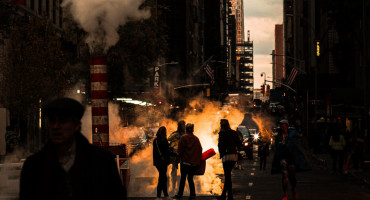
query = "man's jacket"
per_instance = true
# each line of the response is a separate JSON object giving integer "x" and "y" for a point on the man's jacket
{"x": 190, "y": 149}
{"x": 93, "y": 176}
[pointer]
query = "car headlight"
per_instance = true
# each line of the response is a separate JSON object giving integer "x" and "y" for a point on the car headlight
{"x": 256, "y": 136}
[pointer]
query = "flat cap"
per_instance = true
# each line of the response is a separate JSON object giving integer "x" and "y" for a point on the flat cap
{"x": 284, "y": 121}
{"x": 64, "y": 107}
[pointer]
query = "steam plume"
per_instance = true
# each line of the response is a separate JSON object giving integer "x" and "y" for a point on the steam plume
{"x": 102, "y": 18}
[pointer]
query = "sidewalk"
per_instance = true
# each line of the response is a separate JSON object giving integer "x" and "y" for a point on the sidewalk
{"x": 324, "y": 160}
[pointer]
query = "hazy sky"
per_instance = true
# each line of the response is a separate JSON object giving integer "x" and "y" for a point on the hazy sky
{"x": 260, "y": 17}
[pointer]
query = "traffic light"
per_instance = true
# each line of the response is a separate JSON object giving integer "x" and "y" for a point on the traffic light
{"x": 267, "y": 90}
{"x": 263, "y": 89}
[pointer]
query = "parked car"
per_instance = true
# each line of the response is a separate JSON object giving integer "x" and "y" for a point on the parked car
{"x": 247, "y": 141}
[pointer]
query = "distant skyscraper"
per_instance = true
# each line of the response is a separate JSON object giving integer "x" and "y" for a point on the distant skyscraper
{"x": 237, "y": 8}
{"x": 245, "y": 67}
{"x": 244, "y": 51}
{"x": 278, "y": 57}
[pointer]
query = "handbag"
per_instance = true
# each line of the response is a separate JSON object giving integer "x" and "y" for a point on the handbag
{"x": 201, "y": 168}
{"x": 230, "y": 157}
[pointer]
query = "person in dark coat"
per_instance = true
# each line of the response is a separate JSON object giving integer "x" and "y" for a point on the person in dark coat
{"x": 161, "y": 158}
{"x": 174, "y": 140}
{"x": 68, "y": 166}
{"x": 228, "y": 144}
{"x": 288, "y": 158}
{"x": 190, "y": 156}
{"x": 13, "y": 142}
{"x": 263, "y": 152}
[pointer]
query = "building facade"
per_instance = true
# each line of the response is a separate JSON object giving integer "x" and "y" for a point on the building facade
{"x": 50, "y": 8}
{"x": 278, "y": 55}
{"x": 332, "y": 85}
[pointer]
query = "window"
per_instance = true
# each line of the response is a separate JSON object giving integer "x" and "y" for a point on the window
{"x": 47, "y": 8}
{"x": 32, "y": 6}
{"x": 61, "y": 16}
{"x": 54, "y": 12}
{"x": 39, "y": 2}
{"x": 195, "y": 13}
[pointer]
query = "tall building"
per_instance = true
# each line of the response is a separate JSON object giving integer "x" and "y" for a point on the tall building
{"x": 332, "y": 86}
{"x": 237, "y": 9}
{"x": 278, "y": 56}
{"x": 244, "y": 51}
{"x": 230, "y": 34}
{"x": 245, "y": 67}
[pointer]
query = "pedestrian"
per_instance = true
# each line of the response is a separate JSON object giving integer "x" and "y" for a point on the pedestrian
{"x": 337, "y": 144}
{"x": 189, "y": 155}
{"x": 263, "y": 152}
{"x": 358, "y": 147}
{"x": 174, "y": 139}
{"x": 161, "y": 159}
{"x": 288, "y": 158}
{"x": 13, "y": 142}
{"x": 68, "y": 166}
{"x": 228, "y": 144}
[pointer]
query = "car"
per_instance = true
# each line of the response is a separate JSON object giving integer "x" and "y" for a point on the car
{"x": 247, "y": 141}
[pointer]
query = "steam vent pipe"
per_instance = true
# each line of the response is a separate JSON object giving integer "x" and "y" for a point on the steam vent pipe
{"x": 99, "y": 99}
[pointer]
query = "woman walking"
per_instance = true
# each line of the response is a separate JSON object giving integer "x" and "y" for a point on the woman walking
{"x": 161, "y": 159}
{"x": 228, "y": 143}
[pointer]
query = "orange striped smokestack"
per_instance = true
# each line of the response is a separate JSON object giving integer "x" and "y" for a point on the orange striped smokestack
{"x": 99, "y": 99}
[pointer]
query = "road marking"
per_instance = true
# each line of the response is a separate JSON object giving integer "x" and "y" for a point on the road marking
{"x": 250, "y": 184}
{"x": 253, "y": 169}
{"x": 252, "y": 174}
{"x": 255, "y": 163}
{"x": 248, "y": 197}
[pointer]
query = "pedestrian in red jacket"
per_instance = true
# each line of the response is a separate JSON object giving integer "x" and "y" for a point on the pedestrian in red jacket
{"x": 190, "y": 155}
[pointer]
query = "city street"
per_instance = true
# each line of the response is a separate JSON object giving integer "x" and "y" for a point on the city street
{"x": 318, "y": 184}
{"x": 100, "y": 97}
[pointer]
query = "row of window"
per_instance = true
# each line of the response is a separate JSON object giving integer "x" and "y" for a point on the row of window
{"x": 247, "y": 87}
{"x": 50, "y": 8}
{"x": 247, "y": 80}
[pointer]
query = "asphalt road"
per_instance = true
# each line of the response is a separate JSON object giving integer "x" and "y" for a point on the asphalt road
{"x": 318, "y": 184}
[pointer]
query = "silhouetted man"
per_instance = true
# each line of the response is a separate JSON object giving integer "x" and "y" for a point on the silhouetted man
{"x": 68, "y": 166}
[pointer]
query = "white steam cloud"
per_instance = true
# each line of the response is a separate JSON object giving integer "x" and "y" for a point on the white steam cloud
{"x": 102, "y": 18}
